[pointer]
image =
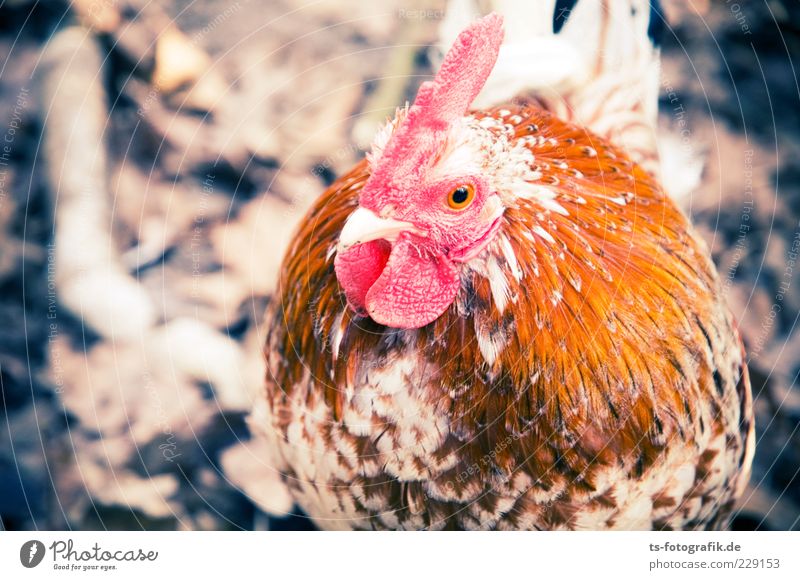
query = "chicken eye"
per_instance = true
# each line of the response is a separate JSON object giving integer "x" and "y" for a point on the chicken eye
{"x": 461, "y": 196}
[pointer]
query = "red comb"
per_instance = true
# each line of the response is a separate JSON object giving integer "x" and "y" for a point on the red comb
{"x": 464, "y": 71}
{"x": 439, "y": 103}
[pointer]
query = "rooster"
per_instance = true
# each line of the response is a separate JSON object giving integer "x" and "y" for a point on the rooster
{"x": 498, "y": 320}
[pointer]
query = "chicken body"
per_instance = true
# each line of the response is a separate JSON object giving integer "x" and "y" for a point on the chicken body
{"x": 499, "y": 321}
{"x": 607, "y": 391}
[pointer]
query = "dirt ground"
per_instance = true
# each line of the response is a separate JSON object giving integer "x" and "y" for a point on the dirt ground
{"x": 153, "y": 162}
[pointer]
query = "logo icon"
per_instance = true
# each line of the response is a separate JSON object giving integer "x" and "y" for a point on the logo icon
{"x": 31, "y": 553}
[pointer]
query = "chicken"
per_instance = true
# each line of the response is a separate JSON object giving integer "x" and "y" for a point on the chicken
{"x": 498, "y": 320}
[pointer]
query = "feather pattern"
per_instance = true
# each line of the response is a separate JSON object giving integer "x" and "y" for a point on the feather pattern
{"x": 588, "y": 374}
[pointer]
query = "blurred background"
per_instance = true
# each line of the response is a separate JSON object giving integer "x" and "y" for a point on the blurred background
{"x": 154, "y": 159}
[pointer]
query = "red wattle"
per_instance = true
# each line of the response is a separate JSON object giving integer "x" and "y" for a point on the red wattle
{"x": 414, "y": 289}
{"x": 358, "y": 268}
{"x": 398, "y": 286}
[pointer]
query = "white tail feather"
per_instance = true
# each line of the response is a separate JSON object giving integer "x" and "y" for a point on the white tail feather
{"x": 600, "y": 70}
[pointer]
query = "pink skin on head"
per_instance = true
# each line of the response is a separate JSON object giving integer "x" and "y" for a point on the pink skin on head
{"x": 410, "y": 277}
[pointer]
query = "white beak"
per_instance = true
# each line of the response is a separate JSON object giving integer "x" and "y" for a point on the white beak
{"x": 364, "y": 226}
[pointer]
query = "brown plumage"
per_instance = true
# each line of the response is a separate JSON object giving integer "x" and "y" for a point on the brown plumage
{"x": 603, "y": 387}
